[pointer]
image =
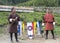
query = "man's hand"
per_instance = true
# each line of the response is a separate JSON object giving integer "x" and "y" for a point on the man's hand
{"x": 43, "y": 24}
{"x": 11, "y": 20}
{"x": 54, "y": 23}
{"x": 15, "y": 19}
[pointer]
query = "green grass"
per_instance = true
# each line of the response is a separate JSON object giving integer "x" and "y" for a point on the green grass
{"x": 3, "y": 17}
{"x": 28, "y": 17}
{"x": 38, "y": 16}
{"x": 1, "y": 30}
{"x": 57, "y": 30}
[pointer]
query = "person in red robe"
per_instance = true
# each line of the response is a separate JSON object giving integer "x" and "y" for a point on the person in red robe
{"x": 13, "y": 21}
{"x": 48, "y": 20}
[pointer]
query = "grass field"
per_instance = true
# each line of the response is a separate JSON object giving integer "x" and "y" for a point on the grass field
{"x": 28, "y": 17}
{"x": 57, "y": 30}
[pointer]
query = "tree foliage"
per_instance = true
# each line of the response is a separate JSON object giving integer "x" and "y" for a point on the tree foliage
{"x": 31, "y": 2}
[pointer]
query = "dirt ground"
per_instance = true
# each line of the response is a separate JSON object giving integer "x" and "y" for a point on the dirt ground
{"x": 6, "y": 39}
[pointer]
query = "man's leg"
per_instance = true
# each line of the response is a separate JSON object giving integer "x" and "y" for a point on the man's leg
{"x": 11, "y": 36}
{"x": 46, "y": 34}
{"x": 16, "y": 37}
{"x": 52, "y": 34}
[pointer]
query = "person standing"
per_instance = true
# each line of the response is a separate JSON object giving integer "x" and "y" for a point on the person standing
{"x": 13, "y": 21}
{"x": 49, "y": 22}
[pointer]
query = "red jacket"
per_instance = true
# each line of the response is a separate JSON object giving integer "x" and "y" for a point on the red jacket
{"x": 49, "y": 19}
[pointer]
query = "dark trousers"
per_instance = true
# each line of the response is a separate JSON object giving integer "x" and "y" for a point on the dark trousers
{"x": 51, "y": 33}
{"x": 11, "y": 36}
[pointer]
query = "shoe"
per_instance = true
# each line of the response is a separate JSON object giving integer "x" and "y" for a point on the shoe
{"x": 11, "y": 41}
{"x": 54, "y": 38}
{"x": 46, "y": 38}
{"x": 17, "y": 40}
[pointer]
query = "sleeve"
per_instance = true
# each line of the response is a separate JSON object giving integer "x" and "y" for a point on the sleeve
{"x": 10, "y": 19}
{"x": 44, "y": 19}
{"x": 53, "y": 18}
{"x": 18, "y": 18}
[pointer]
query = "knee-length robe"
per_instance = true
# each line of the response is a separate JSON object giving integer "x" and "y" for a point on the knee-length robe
{"x": 49, "y": 19}
{"x": 13, "y": 24}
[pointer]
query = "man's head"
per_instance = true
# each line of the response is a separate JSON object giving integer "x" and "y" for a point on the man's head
{"x": 13, "y": 10}
{"x": 48, "y": 11}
